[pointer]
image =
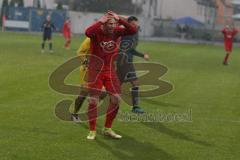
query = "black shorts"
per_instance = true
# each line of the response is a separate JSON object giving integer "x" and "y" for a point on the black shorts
{"x": 47, "y": 36}
{"x": 126, "y": 73}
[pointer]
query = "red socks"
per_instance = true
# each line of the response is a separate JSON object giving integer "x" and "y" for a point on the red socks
{"x": 226, "y": 58}
{"x": 92, "y": 116}
{"x": 67, "y": 44}
{"x": 111, "y": 114}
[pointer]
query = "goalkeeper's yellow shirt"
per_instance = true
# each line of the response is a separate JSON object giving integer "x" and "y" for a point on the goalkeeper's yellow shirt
{"x": 83, "y": 51}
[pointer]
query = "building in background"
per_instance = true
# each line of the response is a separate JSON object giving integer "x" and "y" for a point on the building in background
{"x": 1, "y": 1}
{"x": 224, "y": 12}
{"x": 174, "y": 9}
{"x": 47, "y": 4}
{"x": 236, "y": 9}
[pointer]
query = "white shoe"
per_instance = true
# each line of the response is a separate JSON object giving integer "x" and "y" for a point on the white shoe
{"x": 91, "y": 135}
{"x": 110, "y": 133}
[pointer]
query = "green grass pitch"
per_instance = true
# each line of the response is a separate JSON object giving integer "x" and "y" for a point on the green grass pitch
{"x": 29, "y": 129}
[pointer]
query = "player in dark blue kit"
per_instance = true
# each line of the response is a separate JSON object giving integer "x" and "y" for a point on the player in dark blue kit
{"x": 48, "y": 27}
{"x": 125, "y": 68}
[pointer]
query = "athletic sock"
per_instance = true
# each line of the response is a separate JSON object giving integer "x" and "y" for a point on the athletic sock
{"x": 92, "y": 116}
{"x": 78, "y": 103}
{"x": 226, "y": 58}
{"x": 111, "y": 114}
{"x": 135, "y": 96}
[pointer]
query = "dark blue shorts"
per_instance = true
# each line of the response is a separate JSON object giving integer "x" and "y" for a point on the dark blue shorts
{"x": 47, "y": 36}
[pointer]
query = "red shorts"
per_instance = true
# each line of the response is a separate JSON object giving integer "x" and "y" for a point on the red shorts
{"x": 228, "y": 47}
{"x": 109, "y": 80}
{"x": 67, "y": 35}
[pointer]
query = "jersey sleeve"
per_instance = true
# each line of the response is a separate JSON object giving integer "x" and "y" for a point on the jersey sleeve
{"x": 128, "y": 29}
{"x": 93, "y": 30}
{"x": 136, "y": 53}
{"x": 53, "y": 26}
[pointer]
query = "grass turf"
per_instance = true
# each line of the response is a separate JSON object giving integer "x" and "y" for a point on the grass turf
{"x": 29, "y": 129}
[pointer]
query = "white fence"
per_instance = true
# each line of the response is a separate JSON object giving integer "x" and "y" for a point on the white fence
{"x": 81, "y": 20}
{"x": 16, "y": 24}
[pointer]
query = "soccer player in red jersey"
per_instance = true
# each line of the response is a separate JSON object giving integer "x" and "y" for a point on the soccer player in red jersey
{"x": 229, "y": 33}
{"x": 105, "y": 37}
{"x": 67, "y": 33}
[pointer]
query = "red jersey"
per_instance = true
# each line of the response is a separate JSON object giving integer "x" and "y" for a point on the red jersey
{"x": 105, "y": 46}
{"x": 66, "y": 29}
{"x": 228, "y": 38}
{"x": 229, "y": 34}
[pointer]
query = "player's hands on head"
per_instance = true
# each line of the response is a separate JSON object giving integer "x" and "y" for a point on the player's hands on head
{"x": 104, "y": 18}
{"x": 114, "y": 15}
{"x": 146, "y": 56}
{"x": 124, "y": 17}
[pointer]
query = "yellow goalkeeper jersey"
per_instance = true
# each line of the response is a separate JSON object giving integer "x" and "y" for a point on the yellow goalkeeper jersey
{"x": 83, "y": 51}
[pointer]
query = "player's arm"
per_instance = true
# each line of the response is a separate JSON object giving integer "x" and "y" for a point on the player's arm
{"x": 136, "y": 53}
{"x": 139, "y": 54}
{"x": 43, "y": 26}
{"x": 128, "y": 28}
{"x": 95, "y": 28}
{"x": 53, "y": 27}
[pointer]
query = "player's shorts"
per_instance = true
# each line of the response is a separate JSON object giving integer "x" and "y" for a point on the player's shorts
{"x": 67, "y": 35}
{"x": 109, "y": 80}
{"x": 228, "y": 47}
{"x": 47, "y": 36}
{"x": 126, "y": 73}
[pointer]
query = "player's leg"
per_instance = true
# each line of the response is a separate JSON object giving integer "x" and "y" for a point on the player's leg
{"x": 225, "y": 62}
{"x": 135, "y": 97}
{"x": 228, "y": 48}
{"x": 126, "y": 73}
{"x": 83, "y": 94}
{"x": 111, "y": 115}
{"x": 78, "y": 105}
{"x": 43, "y": 42}
{"x": 92, "y": 116}
{"x": 112, "y": 86}
{"x": 94, "y": 91}
{"x": 67, "y": 42}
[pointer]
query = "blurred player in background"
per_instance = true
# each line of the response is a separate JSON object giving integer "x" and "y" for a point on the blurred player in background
{"x": 229, "y": 33}
{"x": 48, "y": 27}
{"x": 105, "y": 36}
{"x": 67, "y": 33}
{"x": 125, "y": 67}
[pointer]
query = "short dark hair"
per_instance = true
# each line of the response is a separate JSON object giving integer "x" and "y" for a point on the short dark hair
{"x": 132, "y": 18}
